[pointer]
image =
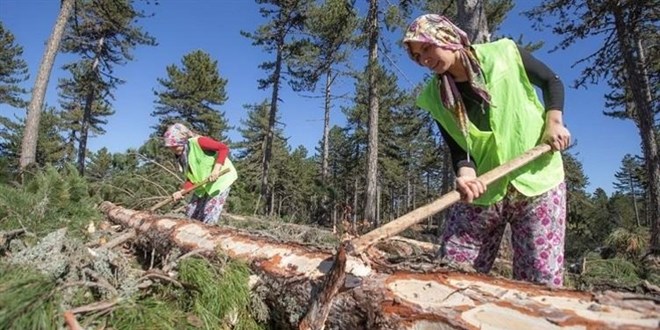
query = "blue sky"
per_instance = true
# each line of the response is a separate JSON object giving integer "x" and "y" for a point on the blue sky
{"x": 214, "y": 25}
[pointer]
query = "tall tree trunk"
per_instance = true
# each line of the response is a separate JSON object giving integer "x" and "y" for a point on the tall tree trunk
{"x": 471, "y": 17}
{"x": 31, "y": 133}
{"x": 355, "y": 202}
{"x": 89, "y": 106}
{"x": 372, "y": 150}
{"x": 329, "y": 78}
{"x": 447, "y": 183}
{"x": 644, "y": 119}
{"x": 268, "y": 152}
{"x": 634, "y": 198}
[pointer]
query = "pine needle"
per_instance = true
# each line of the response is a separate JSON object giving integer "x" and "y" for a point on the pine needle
{"x": 28, "y": 300}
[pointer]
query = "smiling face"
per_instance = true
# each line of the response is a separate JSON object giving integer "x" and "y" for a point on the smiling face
{"x": 177, "y": 150}
{"x": 428, "y": 55}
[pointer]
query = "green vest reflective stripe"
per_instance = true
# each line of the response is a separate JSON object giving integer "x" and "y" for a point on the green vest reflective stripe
{"x": 517, "y": 121}
{"x": 200, "y": 165}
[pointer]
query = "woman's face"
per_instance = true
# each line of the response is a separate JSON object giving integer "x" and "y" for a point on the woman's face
{"x": 177, "y": 150}
{"x": 431, "y": 56}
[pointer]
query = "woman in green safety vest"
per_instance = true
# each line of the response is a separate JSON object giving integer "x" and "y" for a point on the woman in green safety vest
{"x": 483, "y": 98}
{"x": 201, "y": 158}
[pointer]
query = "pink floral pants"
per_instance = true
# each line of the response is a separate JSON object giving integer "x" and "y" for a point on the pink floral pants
{"x": 207, "y": 208}
{"x": 473, "y": 234}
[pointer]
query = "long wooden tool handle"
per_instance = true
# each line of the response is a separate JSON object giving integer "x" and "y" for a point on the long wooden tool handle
{"x": 185, "y": 192}
{"x": 400, "y": 224}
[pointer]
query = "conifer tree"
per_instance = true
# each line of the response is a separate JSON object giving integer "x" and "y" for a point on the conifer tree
{"x": 103, "y": 33}
{"x": 251, "y": 150}
{"x": 629, "y": 183}
{"x": 331, "y": 25}
{"x": 51, "y": 147}
{"x": 13, "y": 70}
{"x": 192, "y": 94}
{"x": 627, "y": 26}
{"x": 286, "y": 17}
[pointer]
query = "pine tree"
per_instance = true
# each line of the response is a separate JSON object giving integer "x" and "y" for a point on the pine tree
{"x": 51, "y": 147}
{"x": 331, "y": 26}
{"x": 251, "y": 151}
{"x": 73, "y": 94}
{"x": 13, "y": 70}
{"x": 628, "y": 182}
{"x": 192, "y": 94}
{"x": 100, "y": 165}
{"x": 276, "y": 37}
{"x": 626, "y": 58}
{"x": 103, "y": 33}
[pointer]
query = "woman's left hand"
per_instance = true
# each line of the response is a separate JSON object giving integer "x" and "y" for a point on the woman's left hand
{"x": 556, "y": 134}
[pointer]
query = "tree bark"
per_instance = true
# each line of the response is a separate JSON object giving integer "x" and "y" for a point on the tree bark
{"x": 329, "y": 78}
{"x": 471, "y": 17}
{"x": 377, "y": 294}
{"x": 272, "y": 116}
{"x": 31, "y": 133}
{"x": 643, "y": 115}
{"x": 370, "y": 207}
{"x": 89, "y": 108}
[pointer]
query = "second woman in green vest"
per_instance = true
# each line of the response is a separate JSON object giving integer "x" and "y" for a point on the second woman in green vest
{"x": 202, "y": 158}
{"x": 483, "y": 98}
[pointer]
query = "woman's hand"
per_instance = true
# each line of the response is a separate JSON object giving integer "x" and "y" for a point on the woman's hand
{"x": 555, "y": 133}
{"x": 468, "y": 185}
{"x": 177, "y": 195}
{"x": 215, "y": 174}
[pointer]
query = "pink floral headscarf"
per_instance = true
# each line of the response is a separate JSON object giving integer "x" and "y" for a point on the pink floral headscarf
{"x": 438, "y": 30}
{"x": 177, "y": 135}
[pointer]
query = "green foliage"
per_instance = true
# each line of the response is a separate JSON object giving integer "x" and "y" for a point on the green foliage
{"x": 28, "y": 300}
{"x": 629, "y": 242}
{"x": 189, "y": 95}
{"x": 13, "y": 70}
{"x": 219, "y": 296}
{"x": 615, "y": 271}
{"x": 331, "y": 26}
{"x": 285, "y": 18}
{"x": 148, "y": 313}
{"x": 103, "y": 34}
{"x": 51, "y": 147}
{"x": 250, "y": 154}
{"x": 49, "y": 200}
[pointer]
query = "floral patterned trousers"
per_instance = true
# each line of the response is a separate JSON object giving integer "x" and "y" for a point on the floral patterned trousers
{"x": 207, "y": 208}
{"x": 473, "y": 234}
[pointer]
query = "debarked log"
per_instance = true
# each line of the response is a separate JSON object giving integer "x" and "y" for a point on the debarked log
{"x": 376, "y": 297}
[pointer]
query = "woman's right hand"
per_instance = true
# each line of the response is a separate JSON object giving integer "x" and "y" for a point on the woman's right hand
{"x": 468, "y": 185}
{"x": 177, "y": 195}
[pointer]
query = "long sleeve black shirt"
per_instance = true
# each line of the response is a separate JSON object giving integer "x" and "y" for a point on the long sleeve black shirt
{"x": 539, "y": 75}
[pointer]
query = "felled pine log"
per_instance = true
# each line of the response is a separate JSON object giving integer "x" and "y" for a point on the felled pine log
{"x": 378, "y": 295}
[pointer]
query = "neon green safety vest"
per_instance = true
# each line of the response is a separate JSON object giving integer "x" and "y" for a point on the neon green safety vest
{"x": 516, "y": 120}
{"x": 200, "y": 165}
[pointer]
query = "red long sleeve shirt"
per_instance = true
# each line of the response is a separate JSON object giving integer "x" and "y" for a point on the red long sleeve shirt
{"x": 211, "y": 145}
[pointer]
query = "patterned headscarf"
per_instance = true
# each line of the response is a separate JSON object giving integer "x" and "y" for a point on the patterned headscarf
{"x": 177, "y": 135}
{"x": 439, "y": 31}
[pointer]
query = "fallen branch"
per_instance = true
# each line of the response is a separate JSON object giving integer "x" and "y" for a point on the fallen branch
{"x": 71, "y": 321}
{"x": 119, "y": 240}
{"x": 101, "y": 280}
{"x": 151, "y": 274}
{"x": 318, "y": 311}
{"x": 97, "y": 306}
